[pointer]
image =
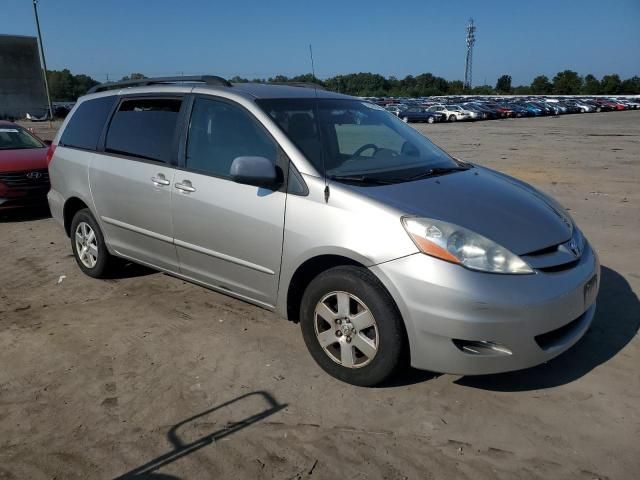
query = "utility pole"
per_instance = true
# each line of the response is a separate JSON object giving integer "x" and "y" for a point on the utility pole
{"x": 43, "y": 61}
{"x": 471, "y": 40}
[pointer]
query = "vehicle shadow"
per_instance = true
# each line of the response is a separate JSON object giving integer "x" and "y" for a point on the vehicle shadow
{"x": 182, "y": 448}
{"x": 615, "y": 324}
{"x": 26, "y": 214}
{"x": 125, "y": 269}
{"x": 408, "y": 376}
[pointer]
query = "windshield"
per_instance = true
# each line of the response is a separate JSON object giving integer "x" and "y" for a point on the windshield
{"x": 353, "y": 140}
{"x": 12, "y": 138}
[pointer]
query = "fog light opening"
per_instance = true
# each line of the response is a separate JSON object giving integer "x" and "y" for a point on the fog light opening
{"x": 481, "y": 347}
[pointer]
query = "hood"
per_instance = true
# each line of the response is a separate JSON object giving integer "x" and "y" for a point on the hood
{"x": 501, "y": 208}
{"x": 23, "y": 159}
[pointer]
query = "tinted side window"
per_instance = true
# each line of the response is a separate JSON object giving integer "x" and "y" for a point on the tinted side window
{"x": 144, "y": 128}
{"x": 219, "y": 132}
{"x": 86, "y": 124}
{"x": 297, "y": 118}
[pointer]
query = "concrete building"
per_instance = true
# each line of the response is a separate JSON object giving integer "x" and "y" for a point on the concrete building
{"x": 21, "y": 83}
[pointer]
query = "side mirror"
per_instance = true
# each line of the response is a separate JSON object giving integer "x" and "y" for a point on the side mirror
{"x": 256, "y": 171}
{"x": 47, "y": 142}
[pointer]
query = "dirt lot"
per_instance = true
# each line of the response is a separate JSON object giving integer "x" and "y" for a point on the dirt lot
{"x": 146, "y": 376}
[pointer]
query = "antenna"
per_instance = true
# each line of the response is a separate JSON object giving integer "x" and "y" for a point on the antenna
{"x": 316, "y": 113}
{"x": 313, "y": 68}
{"x": 471, "y": 40}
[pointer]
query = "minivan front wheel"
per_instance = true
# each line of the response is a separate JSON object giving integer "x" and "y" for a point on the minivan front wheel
{"x": 351, "y": 326}
{"x": 87, "y": 243}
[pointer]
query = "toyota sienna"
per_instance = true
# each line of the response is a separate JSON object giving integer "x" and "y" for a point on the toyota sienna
{"x": 330, "y": 211}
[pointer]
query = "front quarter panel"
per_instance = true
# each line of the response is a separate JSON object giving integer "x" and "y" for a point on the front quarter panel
{"x": 347, "y": 225}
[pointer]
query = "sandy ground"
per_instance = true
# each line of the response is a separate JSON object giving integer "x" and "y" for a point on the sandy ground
{"x": 146, "y": 376}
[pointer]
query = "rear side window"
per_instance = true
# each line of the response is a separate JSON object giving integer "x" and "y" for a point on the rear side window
{"x": 86, "y": 124}
{"x": 144, "y": 128}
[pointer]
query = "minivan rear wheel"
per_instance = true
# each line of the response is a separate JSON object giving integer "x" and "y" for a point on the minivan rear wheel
{"x": 87, "y": 243}
{"x": 351, "y": 326}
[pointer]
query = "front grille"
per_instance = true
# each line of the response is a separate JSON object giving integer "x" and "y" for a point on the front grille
{"x": 554, "y": 258}
{"x": 559, "y": 268}
{"x": 544, "y": 251}
{"x": 28, "y": 179}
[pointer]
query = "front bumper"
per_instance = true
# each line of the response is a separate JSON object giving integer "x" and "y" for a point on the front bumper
{"x": 441, "y": 302}
{"x": 32, "y": 199}
{"x": 19, "y": 191}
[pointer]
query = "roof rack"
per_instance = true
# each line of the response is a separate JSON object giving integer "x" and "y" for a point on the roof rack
{"x": 206, "y": 79}
{"x": 317, "y": 86}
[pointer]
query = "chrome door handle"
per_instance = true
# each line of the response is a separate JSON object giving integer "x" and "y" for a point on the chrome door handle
{"x": 185, "y": 186}
{"x": 160, "y": 180}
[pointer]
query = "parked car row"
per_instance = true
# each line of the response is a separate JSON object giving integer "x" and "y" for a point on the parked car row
{"x": 453, "y": 109}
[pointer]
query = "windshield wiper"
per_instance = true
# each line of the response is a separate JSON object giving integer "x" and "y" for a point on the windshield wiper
{"x": 360, "y": 179}
{"x": 434, "y": 172}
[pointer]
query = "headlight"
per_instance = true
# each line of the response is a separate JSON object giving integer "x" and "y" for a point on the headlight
{"x": 458, "y": 245}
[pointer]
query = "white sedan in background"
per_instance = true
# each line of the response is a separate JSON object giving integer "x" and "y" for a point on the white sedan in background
{"x": 453, "y": 113}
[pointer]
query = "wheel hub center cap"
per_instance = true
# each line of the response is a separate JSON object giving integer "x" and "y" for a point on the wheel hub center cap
{"x": 347, "y": 328}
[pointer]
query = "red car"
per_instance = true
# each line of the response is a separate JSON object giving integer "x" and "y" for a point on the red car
{"x": 24, "y": 178}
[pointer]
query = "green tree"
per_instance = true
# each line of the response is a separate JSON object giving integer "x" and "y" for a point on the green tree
{"x": 567, "y": 83}
{"x": 61, "y": 85}
{"x": 279, "y": 79}
{"x": 541, "y": 85}
{"x": 456, "y": 87}
{"x": 66, "y": 87}
{"x": 503, "y": 85}
{"x": 631, "y": 86}
{"x": 81, "y": 84}
{"x": 482, "y": 90}
{"x": 591, "y": 85}
{"x": 611, "y": 84}
{"x": 133, "y": 76}
{"x": 306, "y": 78}
{"x": 362, "y": 84}
{"x": 522, "y": 90}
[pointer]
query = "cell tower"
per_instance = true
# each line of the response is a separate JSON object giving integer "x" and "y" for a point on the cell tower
{"x": 471, "y": 40}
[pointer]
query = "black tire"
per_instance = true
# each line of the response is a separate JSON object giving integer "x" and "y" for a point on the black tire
{"x": 105, "y": 262}
{"x": 452, "y": 118}
{"x": 361, "y": 283}
{"x": 430, "y": 120}
{"x": 405, "y": 119}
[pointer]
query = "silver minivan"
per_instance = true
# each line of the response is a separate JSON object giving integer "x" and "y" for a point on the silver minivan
{"x": 330, "y": 211}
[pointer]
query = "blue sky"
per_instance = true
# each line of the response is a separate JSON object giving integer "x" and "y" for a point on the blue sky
{"x": 261, "y": 38}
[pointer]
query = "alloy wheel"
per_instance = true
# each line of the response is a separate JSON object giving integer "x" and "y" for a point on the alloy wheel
{"x": 346, "y": 329}
{"x": 86, "y": 245}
